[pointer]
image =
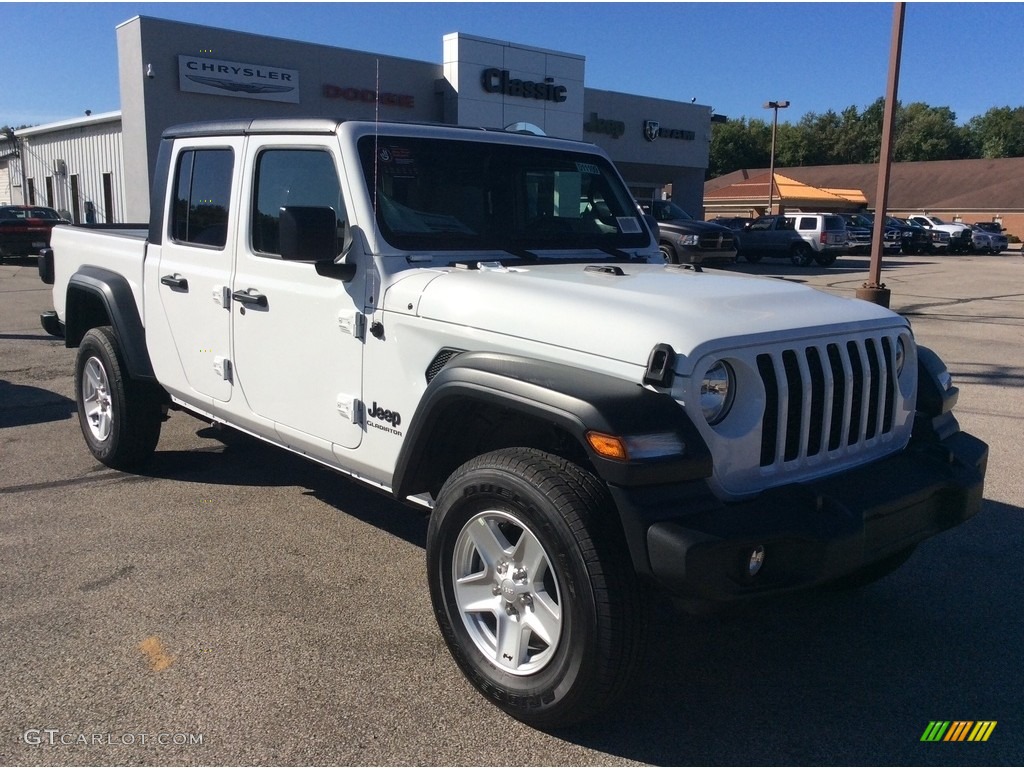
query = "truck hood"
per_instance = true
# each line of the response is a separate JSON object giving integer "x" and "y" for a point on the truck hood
{"x": 693, "y": 226}
{"x": 623, "y": 316}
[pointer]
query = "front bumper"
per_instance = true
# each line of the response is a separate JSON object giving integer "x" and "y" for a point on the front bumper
{"x": 813, "y": 532}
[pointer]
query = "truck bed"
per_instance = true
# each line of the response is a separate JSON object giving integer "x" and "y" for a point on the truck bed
{"x": 119, "y": 248}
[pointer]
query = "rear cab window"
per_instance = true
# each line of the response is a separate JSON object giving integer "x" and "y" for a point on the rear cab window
{"x": 202, "y": 197}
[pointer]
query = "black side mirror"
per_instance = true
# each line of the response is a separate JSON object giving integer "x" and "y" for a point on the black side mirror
{"x": 308, "y": 233}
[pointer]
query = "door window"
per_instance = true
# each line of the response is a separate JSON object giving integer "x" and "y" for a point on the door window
{"x": 292, "y": 177}
{"x": 202, "y": 195}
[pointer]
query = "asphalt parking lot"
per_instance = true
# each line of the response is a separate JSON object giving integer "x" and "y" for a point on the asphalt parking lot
{"x": 234, "y": 605}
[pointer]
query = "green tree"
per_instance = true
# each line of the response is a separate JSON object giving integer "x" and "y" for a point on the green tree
{"x": 998, "y": 133}
{"x": 928, "y": 133}
{"x": 738, "y": 144}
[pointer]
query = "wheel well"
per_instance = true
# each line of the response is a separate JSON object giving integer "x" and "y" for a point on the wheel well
{"x": 468, "y": 429}
{"x": 84, "y": 310}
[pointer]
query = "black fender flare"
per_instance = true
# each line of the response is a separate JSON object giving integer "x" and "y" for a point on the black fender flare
{"x": 115, "y": 295}
{"x": 572, "y": 399}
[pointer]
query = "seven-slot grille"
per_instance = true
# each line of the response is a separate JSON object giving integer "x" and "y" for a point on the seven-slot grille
{"x": 827, "y": 397}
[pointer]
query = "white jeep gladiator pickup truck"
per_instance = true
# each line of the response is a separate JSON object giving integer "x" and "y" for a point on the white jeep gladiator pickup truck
{"x": 481, "y": 323}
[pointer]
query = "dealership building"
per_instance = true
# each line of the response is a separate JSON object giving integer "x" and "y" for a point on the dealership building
{"x": 98, "y": 168}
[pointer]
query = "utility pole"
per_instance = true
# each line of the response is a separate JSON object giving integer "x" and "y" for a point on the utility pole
{"x": 776, "y": 106}
{"x": 874, "y": 289}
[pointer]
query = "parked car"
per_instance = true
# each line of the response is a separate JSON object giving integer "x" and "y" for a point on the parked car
{"x": 984, "y": 241}
{"x": 990, "y": 226}
{"x": 1000, "y": 242}
{"x": 960, "y": 240}
{"x": 909, "y": 238}
{"x": 773, "y": 237}
{"x": 824, "y": 232}
{"x": 858, "y": 233}
{"x": 893, "y": 235}
{"x": 685, "y": 240}
{"x": 25, "y": 229}
{"x": 938, "y": 240}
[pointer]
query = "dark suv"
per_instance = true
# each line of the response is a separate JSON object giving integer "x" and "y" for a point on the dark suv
{"x": 685, "y": 240}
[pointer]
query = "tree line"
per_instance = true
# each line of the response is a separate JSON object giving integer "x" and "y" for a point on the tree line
{"x": 921, "y": 132}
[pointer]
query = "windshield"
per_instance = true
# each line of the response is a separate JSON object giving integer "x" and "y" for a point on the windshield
{"x": 29, "y": 213}
{"x": 469, "y": 195}
{"x": 665, "y": 210}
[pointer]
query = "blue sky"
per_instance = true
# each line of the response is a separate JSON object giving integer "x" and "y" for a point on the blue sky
{"x": 59, "y": 59}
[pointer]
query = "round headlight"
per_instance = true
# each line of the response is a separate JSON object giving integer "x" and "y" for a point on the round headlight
{"x": 901, "y": 356}
{"x": 716, "y": 392}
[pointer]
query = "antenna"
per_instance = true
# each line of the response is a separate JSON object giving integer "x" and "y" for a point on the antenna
{"x": 376, "y": 136}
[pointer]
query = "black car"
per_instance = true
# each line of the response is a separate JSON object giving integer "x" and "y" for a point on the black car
{"x": 914, "y": 238}
{"x": 858, "y": 232}
{"x": 900, "y": 236}
{"x": 685, "y": 240}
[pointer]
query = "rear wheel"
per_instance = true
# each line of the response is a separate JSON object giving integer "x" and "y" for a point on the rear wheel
{"x": 533, "y": 587}
{"x": 120, "y": 417}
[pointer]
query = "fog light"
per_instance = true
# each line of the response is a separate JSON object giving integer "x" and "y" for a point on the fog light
{"x": 756, "y": 561}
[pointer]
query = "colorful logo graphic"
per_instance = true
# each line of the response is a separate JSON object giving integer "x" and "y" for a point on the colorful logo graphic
{"x": 959, "y": 730}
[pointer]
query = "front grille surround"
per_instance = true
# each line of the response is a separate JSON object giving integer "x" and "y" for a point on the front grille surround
{"x": 808, "y": 409}
{"x": 716, "y": 241}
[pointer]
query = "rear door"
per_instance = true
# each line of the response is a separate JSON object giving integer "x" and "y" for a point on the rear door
{"x": 195, "y": 265}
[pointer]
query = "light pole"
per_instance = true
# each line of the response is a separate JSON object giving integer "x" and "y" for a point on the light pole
{"x": 775, "y": 106}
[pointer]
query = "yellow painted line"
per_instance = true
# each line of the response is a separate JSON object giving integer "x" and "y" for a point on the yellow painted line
{"x": 156, "y": 654}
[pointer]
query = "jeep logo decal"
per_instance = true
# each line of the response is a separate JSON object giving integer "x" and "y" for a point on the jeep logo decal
{"x": 394, "y": 418}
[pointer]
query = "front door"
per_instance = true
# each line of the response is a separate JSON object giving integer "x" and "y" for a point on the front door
{"x": 298, "y": 342}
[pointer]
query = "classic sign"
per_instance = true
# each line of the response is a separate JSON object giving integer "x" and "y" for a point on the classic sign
{"x": 501, "y": 81}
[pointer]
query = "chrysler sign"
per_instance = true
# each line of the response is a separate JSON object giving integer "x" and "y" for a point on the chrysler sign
{"x": 232, "y": 78}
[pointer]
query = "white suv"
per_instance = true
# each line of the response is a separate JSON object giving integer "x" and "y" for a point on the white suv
{"x": 825, "y": 232}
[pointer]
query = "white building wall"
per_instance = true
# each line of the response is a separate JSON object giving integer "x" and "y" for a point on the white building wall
{"x": 74, "y": 155}
{"x": 466, "y": 58}
{"x": 6, "y": 190}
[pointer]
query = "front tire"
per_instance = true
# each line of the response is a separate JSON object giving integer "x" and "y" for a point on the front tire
{"x": 533, "y": 588}
{"x": 668, "y": 253}
{"x": 120, "y": 417}
{"x": 802, "y": 255}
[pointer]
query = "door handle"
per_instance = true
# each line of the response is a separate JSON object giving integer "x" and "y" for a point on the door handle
{"x": 175, "y": 281}
{"x": 250, "y": 298}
